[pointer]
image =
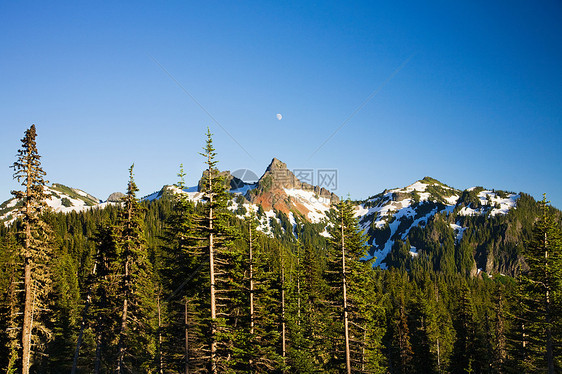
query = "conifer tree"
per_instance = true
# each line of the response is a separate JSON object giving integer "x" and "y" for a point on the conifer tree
{"x": 464, "y": 353}
{"x": 264, "y": 288}
{"x": 499, "y": 340}
{"x": 184, "y": 277}
{"x": 542, "y": 283}
{"x": 136, "y": 345}
{"x": 226, "y": 267}
{"x": 349, "y": 278}
{"x": 401, "y": 352}
{"x": 105, "y": 303}
{"x": 181, "y": 175}
{"x": 10, "y": 269}
{"x": 35, "y": 244}
{"x": 309, "y": 346}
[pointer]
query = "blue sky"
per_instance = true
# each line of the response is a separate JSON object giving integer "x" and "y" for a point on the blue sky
{"x": 466, "y": 92}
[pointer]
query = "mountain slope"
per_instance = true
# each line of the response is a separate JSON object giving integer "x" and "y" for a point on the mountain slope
{"x": 427, "y": 222}
{"x": 403, "y": 225}
{"x": 60, "y": 199}
{"x": 471, "y": 231}
{"x": 391, "y": 215}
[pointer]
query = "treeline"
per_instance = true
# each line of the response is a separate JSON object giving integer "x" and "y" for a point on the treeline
{"x": 174, "y": 286}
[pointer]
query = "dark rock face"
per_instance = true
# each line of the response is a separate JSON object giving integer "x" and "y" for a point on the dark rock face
{"x": 115, "y": 197}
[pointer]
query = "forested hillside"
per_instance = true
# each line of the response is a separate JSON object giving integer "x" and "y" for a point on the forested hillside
{"x": 216, "y": 284}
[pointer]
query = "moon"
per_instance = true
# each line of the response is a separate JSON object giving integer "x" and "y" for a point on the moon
{"x": 279, "y": 116}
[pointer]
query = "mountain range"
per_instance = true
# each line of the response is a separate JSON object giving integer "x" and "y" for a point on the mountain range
{"x": 401, "y": 224}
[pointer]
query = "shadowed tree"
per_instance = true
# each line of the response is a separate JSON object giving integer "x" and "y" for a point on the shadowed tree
{"x": 541, "y": 284}
{"x": 136, "y": 343}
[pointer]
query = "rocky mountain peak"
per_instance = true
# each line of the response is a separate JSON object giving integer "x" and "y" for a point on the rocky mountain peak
{"x": 277, "y": 176}
{"x": 277, "y": 182}
{"x": 276, "y": 164}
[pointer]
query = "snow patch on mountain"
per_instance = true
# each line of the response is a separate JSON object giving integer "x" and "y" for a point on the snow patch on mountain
{"x": 316, "y": 205}
{"x": 12, "y": 203}
{"x": 491, "y": 203}
{"x": 59, "y": 199}
{"x": 459, "y": 230}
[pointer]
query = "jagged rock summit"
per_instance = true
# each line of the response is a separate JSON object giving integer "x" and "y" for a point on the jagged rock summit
{"x": 279, "y": 189}
{"x": 277, "y": 176}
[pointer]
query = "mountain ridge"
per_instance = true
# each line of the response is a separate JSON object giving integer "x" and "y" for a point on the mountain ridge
{"x": 391, "y": 219}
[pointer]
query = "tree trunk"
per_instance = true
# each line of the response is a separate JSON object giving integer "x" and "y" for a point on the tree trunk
{"x": 345, "y": 316}
{"x": 212, "y": 276}
{"x": 185, "y": 321}
{"x": 283, "y": 327}
{"x": 82, "y": 327}
{"x": 80, "y": 336}
{"x": 160, "y": 365}
{"x": 121, "y": 346}
{"x": 549, "y": 352}
{"x": 97, "y": 362}
{"x": 363, "y": 346}
{"x": 298, "y": 287}
{"x": 27, "y": 309}
{"x": 27, "y": 321}
{"x": 252, "y": 317}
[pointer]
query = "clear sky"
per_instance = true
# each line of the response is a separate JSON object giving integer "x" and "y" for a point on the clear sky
{"x": 469, "y": 93}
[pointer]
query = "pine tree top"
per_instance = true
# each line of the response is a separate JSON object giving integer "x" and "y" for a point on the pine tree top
{"x": 28, "y": 172}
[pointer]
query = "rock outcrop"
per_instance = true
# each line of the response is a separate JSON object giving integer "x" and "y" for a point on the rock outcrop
{"x": 115, "y": 197}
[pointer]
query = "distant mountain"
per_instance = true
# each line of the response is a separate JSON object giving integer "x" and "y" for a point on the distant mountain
{"x": 393, "y": 217}
{"x": 426, "y": 222}
{"x": 60, "y": 199}
{"x": 279, "y": 189}
{"x": 401, "y": 223}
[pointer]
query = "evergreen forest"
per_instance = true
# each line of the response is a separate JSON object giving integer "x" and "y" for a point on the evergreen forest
{"x": 175, "y": 286}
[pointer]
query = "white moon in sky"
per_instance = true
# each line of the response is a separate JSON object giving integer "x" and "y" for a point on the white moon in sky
{"x": 279, "y": 116}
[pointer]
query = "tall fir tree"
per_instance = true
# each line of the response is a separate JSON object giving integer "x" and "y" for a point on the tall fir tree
{"x": 35, "y": 243}
{"x": 308, "y": 346}
{"x": 542, "y": 286}
{"x": 348, "y": 277}
{"x": 136, "y": 343}
{"x": 226, "y": 268}
{"x": 464, "y": 352}
{"x": 184, "y": 278}
{"x": 265, "y": 288}
{"x": 106, "y": 301}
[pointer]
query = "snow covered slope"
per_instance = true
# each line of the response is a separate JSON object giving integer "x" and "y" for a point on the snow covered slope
{"x": 391, "y": 215}
{"x": 280, "y": 201}
{"x": 60, "y": 199}
{"x": 278, "y": 195}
